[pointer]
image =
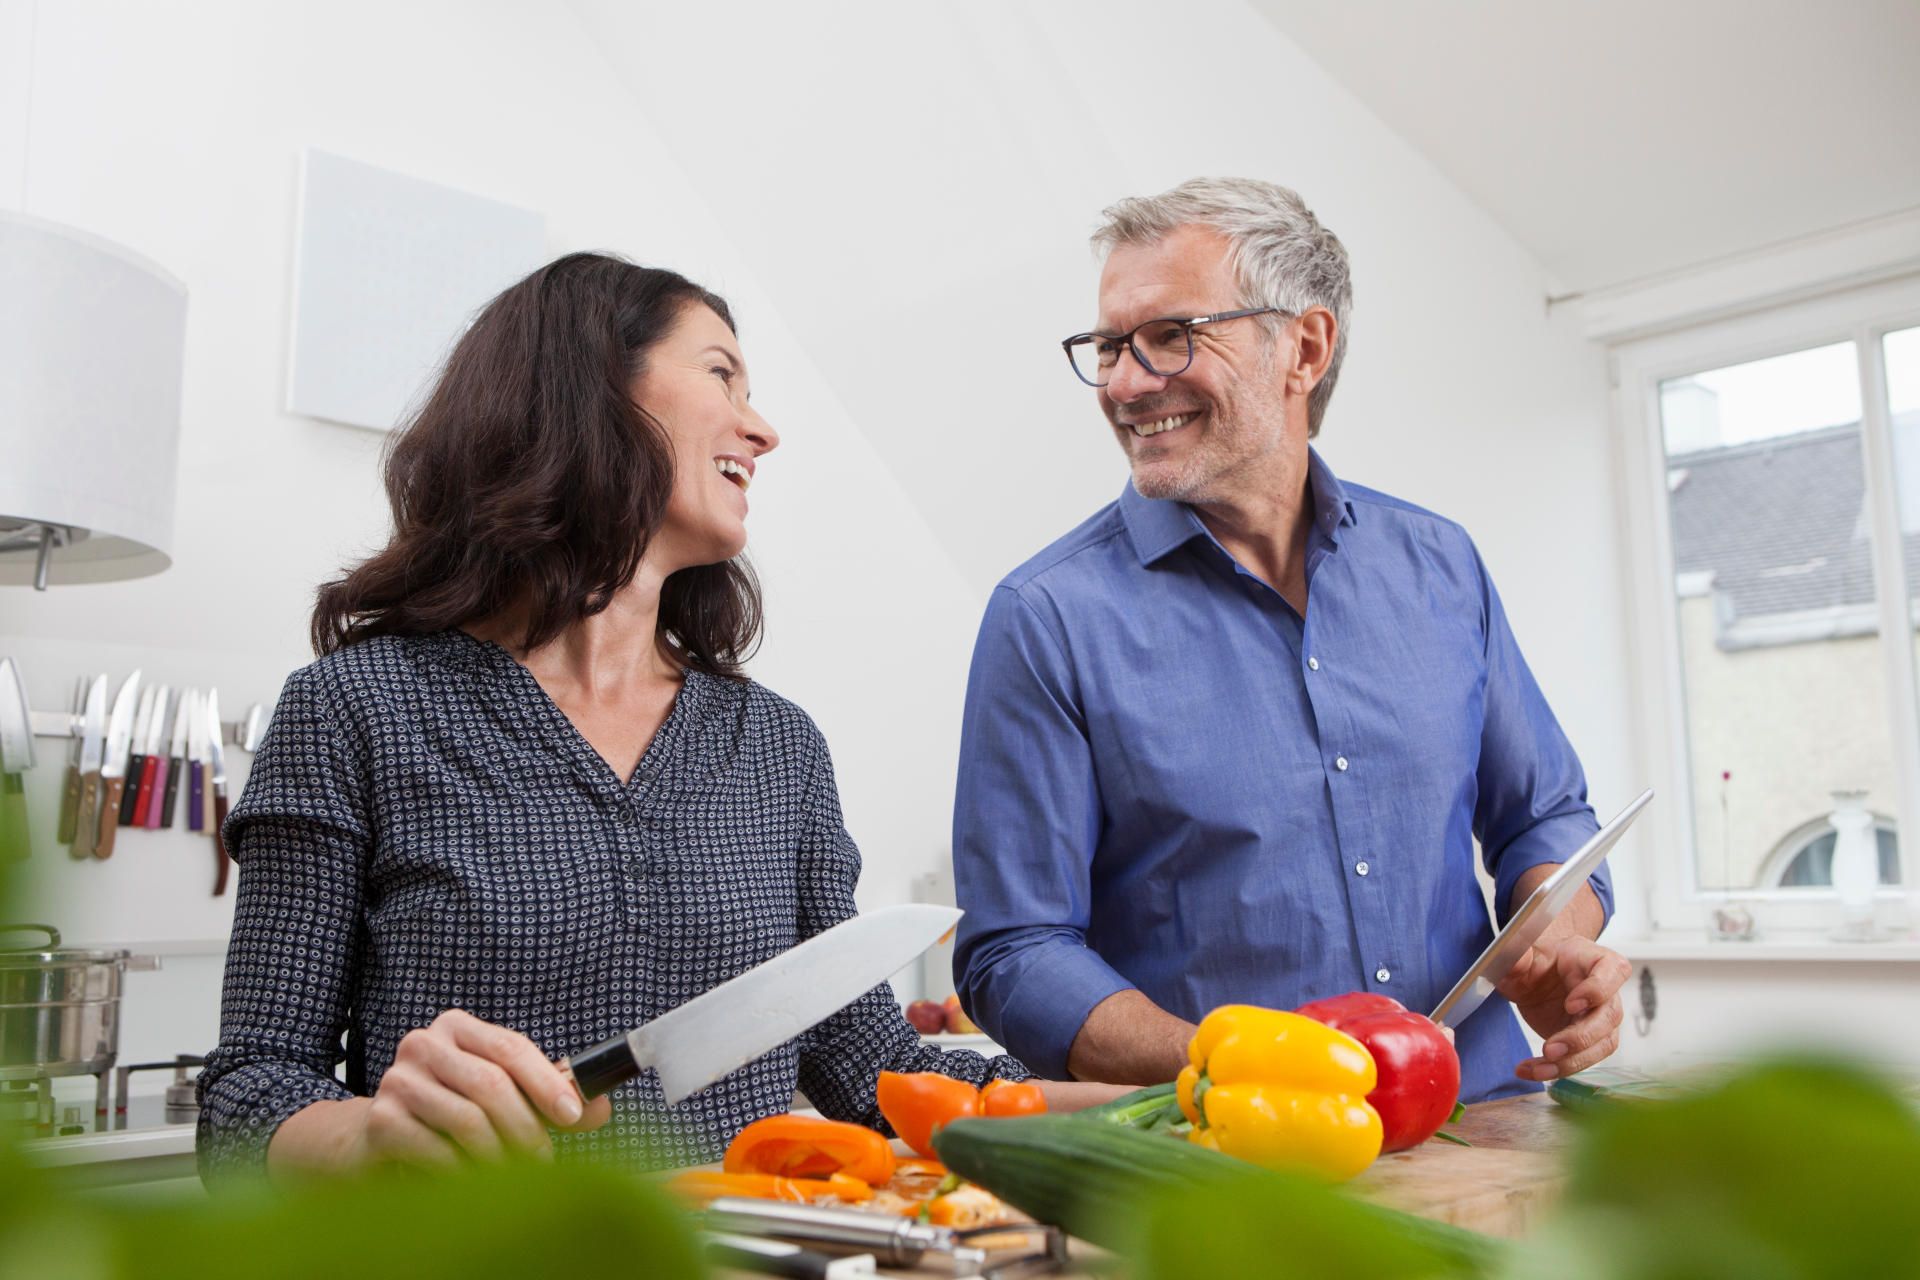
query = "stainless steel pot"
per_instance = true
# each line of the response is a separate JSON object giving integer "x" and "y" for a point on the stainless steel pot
{"x": 60, "y": 1006}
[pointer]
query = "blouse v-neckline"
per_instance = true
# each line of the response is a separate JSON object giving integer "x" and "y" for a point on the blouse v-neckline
{"x": 537, "y": 707}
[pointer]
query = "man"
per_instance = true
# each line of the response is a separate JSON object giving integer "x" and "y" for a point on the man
{"x": 1232, "y": 739}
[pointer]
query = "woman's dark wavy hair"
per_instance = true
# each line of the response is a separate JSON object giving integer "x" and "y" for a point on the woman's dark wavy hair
{"x": 530, "y": 479}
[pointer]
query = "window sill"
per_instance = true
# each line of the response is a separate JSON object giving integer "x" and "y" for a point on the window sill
{"x": 1784, "y": 948}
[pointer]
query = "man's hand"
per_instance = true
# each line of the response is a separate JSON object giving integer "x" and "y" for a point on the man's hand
{"x": 1567, "y": 987}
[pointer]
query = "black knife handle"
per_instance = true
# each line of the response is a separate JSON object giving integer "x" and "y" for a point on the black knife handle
{"x": 176, "y": 769}
{"x": 135, "y": 764}
{"x": 602, "y": 1068}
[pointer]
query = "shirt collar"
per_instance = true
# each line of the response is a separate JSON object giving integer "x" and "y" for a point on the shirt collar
{"x": 1158, "y": 525}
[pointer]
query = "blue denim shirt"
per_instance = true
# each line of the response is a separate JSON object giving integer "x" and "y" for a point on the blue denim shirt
{"x": 1171, "y": 781}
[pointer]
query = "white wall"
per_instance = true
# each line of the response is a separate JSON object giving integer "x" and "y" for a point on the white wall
{"x": 867, "y": 183}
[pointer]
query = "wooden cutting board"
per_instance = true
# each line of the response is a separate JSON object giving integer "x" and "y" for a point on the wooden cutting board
{"x": 1502, "y": 1185}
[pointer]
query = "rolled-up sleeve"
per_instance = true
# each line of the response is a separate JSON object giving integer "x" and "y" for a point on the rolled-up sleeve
{"x": 1532, "y": 806}
{"x": 1026, "y": 823}
{"x": 300, "y": 838}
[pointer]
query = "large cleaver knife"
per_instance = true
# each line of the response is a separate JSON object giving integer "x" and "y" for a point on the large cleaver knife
{"x": 1531, "y": 920}
{"x": 768, "y": 1005}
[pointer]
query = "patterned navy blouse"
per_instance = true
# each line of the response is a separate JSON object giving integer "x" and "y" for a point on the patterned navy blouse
{"x": 424, "y": 829}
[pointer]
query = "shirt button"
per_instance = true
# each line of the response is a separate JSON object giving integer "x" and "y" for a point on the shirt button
{"x": 1313, "y": 664}
{"x": 1361, "y": 867}
{"x": 1340, "y": 763}
{"x": 1381, "y": 975}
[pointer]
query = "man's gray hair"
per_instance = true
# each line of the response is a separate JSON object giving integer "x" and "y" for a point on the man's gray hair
{"x": 1280, "y": 254}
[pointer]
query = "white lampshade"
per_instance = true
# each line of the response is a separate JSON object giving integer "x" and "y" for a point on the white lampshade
{"x": 92, "y": 337}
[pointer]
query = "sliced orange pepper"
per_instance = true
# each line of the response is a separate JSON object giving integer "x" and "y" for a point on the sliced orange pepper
{"x": 810, "y": 1147}
{"x": 1012, "y": 1098}
{"x": 969, "y": 1206}
{"x": 920, "y": 1104}
{"x": 922, "y": 1164}
{"x": 704, "y": 1184}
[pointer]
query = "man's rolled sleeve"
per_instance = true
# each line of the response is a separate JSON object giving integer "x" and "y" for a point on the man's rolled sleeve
{"x": 1026, "y": 820}
{"x": 1532, "y": 806}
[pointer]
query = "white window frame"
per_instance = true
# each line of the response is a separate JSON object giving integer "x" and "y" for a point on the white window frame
{"x": 1675, "y": 900}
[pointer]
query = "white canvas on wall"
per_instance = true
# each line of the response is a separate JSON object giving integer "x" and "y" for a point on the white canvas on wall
{"x": 390, "y": 271}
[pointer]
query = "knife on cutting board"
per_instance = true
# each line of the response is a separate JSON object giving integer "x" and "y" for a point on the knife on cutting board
{"x": 113, "y": 769}
{"x": 217, "y": 776}
{"x": 747, "y": 1015}
{"x": 93, "y": 750}
{"x": 1547, "y": 900}
{"x": 136, "y": 757}
{"x": 16, "y": 757}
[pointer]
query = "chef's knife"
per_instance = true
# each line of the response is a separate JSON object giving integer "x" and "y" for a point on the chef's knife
{"x": 768, "y": 1005}
{"x": 1532, "y": 919}
{"x": 70, "y": 793}
{"x": 177, "y": 754}
{"x": 217, "y": 754}
{"x": 16, "y": 757}
{"x": 154, "y": 784}
{"x": 197, "y": 765}
{"x": 113, "y": 770}
{"x": 93, "y": 750}
{"x": 136, "y": 757}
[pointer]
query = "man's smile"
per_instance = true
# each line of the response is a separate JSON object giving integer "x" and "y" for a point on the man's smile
{"x": 1169, "y": 423}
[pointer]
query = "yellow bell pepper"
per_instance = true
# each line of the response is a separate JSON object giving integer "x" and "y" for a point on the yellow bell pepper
{"x": 1282, "y": 1091}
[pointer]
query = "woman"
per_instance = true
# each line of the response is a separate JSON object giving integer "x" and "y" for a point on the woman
{"x": 526, "y": 800}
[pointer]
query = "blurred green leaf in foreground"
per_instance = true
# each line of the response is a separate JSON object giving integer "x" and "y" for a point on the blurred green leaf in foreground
{"x": 518, "y": 1220}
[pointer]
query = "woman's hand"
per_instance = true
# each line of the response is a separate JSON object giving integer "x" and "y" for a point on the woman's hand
{"x": 460, "y": 1089}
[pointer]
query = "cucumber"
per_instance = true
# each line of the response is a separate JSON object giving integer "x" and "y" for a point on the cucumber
{"x": 1095, "y": 1180}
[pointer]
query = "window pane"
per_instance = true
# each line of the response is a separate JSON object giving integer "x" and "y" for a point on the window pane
{"x": 1780, "y": 648}
{"x": 1902, "y": 351}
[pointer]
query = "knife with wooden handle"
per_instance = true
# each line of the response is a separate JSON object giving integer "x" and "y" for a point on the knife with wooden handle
{"x": 217, "y": 777}
{"x": 113, "y": 771}
{"x": 70, "y": 793}
{"x": 93, "y": 750}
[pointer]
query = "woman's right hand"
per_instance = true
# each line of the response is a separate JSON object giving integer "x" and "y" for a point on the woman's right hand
{"x": 460, "y": 1089}
{"x": 466, "y": 1088}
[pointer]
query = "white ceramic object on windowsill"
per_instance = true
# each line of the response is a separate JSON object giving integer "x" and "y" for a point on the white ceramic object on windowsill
{"x": 1856, "y": 868}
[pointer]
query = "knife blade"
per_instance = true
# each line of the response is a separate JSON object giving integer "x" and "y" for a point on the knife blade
{"x": 93, "y": 750}
{"x": 70, "y": 792}
{"x": 759, "y": 1010}
{"x": 217, "y": 756}
{"x": 136, "y": 757}
{"x": 153, "y": 784}
{"x": 113, "y": 769}
{"x": 1547, "y": 900}
{"x": 177, "y": 755}
{"x": 16, "y": 757}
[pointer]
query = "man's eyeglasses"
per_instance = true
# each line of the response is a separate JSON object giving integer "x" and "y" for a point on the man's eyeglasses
{"x": 1163, "y": 347}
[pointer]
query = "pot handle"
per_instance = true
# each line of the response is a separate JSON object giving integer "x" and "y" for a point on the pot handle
{"x": 142, "y": 964}
{"x": 53, "y": 936}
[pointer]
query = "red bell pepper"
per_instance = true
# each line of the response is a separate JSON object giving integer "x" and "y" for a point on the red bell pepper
{"x": 1419, "y": 1073}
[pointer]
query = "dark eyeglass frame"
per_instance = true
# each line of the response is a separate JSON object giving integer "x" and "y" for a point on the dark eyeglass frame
{"x": 1186, "y": 326}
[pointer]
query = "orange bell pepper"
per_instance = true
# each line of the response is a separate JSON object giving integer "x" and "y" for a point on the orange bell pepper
{"x": 1012, "y": 1098}
{"x": 810, "y": 1147}
{"x": 702, "y": 1185}
{"x": 920, "y": 1104}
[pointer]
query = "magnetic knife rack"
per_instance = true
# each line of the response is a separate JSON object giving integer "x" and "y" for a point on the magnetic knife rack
{"x": 244, "y": 733}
